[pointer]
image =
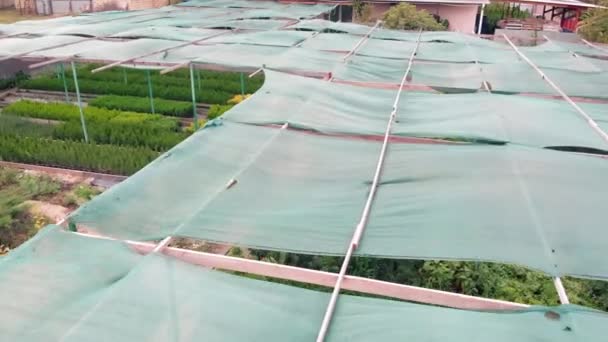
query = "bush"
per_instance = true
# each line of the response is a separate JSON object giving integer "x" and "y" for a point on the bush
{"x": 142, "y": 105}
{"x": 122, "y": 89}
{"x": 103, "y": 126}
{"x": 13, "y": 81}
{"x": 218, "y": 110}
{"x": 594, "y": 26}
{"x": 406, "y": 17}
{"x": 214, "y": 87}
{"x": 75, "y": 155}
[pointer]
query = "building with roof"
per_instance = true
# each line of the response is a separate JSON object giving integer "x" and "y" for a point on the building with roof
{"x": 547, "y": 15}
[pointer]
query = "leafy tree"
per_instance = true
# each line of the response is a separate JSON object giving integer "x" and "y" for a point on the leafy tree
{"x": 594, "y": 26}
{"x": 406, "y": 17}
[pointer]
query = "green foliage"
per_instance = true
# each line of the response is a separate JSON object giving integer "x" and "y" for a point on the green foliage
{"x": 594, "y": 26}
{"x": 103, "y": 126}
{"x": 491, "y": 280}
{"x": 15, "y": 188}
{"x": 39, "y": 186}
{"x": 86, "y": 192}
{"x": 214, "y": 87}
{"x": 217, "y": 110}
{"x": 75, "y": 155}
{"x": 406, "y": 17}
{"x": 118, "y": 88}
{"x": 142, "y": 105}
{"x": 11, "y": 82}
{"x": 497, "y": 10}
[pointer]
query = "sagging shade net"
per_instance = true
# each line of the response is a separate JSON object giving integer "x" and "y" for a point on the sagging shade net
{"x": 285, "y": 189}
{"x": 277, "y": 36}
{"x": 49, "y": 292}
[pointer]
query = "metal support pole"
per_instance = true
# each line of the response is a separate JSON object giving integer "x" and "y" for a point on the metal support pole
{"x": 124, "y": 75}
{"x": 578, "y": 109}
{"x": 150, "y": 93}
{"x": 483, "y": 7}
{"x": 356, "y": 238}
{"x": 339, "y": 13}
{"x": 242, "y": 84}
{"x": 198, "y": 79}
{"x": 65, "y": 83}
{"x": 82, "y": 121}
{"x": 194, "y": 114}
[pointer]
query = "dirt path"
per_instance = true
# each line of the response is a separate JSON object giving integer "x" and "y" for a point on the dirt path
{"x": 53, "y": 212}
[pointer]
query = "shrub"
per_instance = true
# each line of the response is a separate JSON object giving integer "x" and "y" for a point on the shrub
{"x": 407, "y": 17}
{"x": 142, "y": 105}
{"x": 218, "y": 110}
{"x": 14, "y": 80}
{"x": 103, "y": 126}
{"x": 75, "y": 155}
{"x": 594, "y": 26}
{"x": 214, "y": 88}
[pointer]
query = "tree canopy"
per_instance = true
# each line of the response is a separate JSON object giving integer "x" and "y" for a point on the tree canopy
{"x": 407, "y": 17}
{"x": 594, "y": 26}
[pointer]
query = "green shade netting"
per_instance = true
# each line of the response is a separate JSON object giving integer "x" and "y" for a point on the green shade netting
{"x": 370, "y": 320}
{"x": 555, "y": 46}
{"x": 275, "y": 38}
{"x": 340, "y": 108}
{"x": 172, "y": 182}
{"x": 533, "y": 207}
{"x": 78, "y": 48}
{"x": 387, "y": 49}
{"x": 304, "y": 192}
{"x": 169, "y": 33}
{"x": 64, "y": 287}
{"x": 370, "y": 69}
{"x": 301, "y": 193}
{"x": 332, "y": 41}
{"x": 12, "y": 46}
{"x": 232, "y": 55}
{"x": 129, "y": 49}
{"x": 93, "y": 30}
{"x": 299, "y": 59}
{"x": 561, "y": 60}
{"x": 251, "y": 24}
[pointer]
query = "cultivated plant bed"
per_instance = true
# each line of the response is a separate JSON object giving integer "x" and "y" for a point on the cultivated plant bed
{"x": 142, "y": 105}
{"x": 104, "y": 126}
{"x": 211, "y": 87}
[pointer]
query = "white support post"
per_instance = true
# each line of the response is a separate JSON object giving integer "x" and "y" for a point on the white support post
{"x": 77, "y": 88}
{"x": 356, "y": 238}
{"x": 483, "y": 7}
{"x": 21, "y": 54}
{"x": 361, "y": 41}
{"x": 485, "y": 84}
{"x": 321, "y": 278}
{"x": 257, "y": 71}
{"x": 595, "y": 46}
{"x": 130, "y": 59}
{"x": 49, "y": 62}
{"x": 578, "y": 109}
{"x": 574, "y": 54}
{"x": 561, "y": 291}
{"x": 161, "y": 245}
